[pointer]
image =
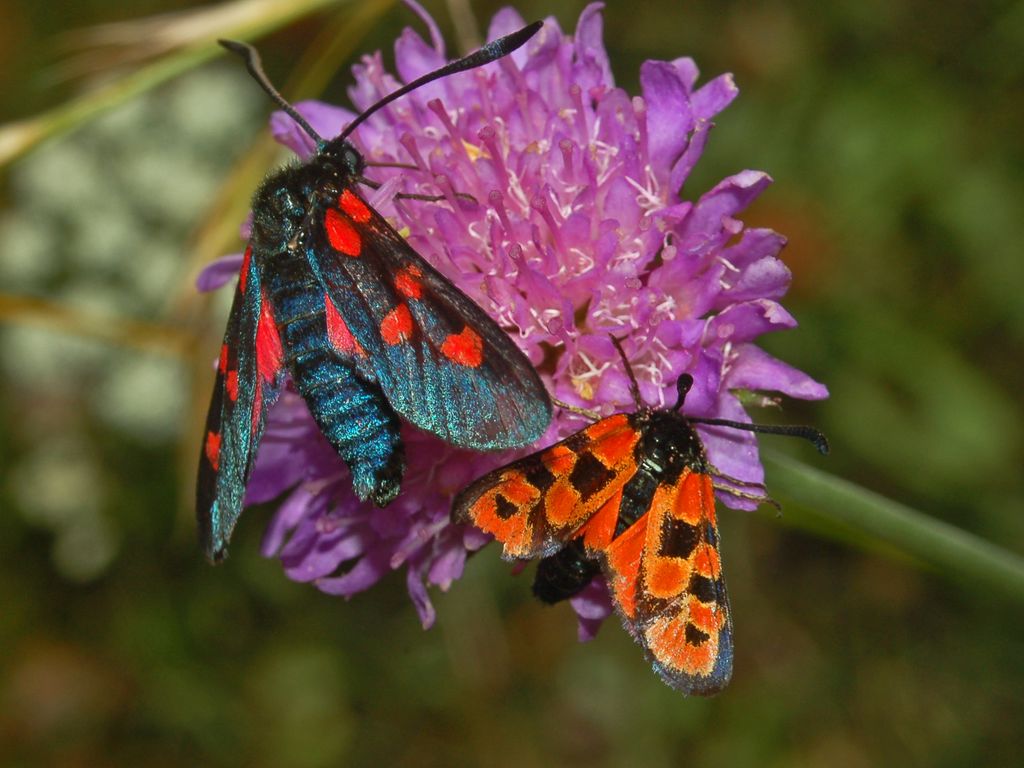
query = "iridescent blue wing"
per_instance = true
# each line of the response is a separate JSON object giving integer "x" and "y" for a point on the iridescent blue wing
{"x": 249, "y": 377}
{"x": 441, "y": 361}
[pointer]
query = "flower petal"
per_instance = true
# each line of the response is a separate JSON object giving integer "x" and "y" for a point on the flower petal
{"x": 367, "y": 571}
{"x": 710, "y": 224}
{"x": 755, "y": 369}
{"x": 592, "y": 69}
{"x": 219, "y": 272}
{"x": 414, "y": 57}
{"x": 325, "y": 119}
{"x": 733, "y": 452}
{"x": 593, "y": 605}
{"x": 669, "y": 117}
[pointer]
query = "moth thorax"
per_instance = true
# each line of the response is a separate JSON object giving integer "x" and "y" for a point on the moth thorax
{"x": 670, "y": 445}
{"x": 279, "y": 208}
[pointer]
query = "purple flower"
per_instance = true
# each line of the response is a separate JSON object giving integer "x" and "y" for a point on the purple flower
{"x": 578, "y": 231}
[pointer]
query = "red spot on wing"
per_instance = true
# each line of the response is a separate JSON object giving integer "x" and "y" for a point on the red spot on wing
{"x": 599, "y": 430}
{"x": 231, "y": 384}
{"x": 666, "y": 577}
{"x": 397, "y": 326}
{"x": 600, "y": 529}
{"x": 515, "y": 531}
{"x": 707, "y": 562}
{"x": 407, "y": 282}
{"x": 696, "y": 499}
{"x": 559, "y": 460}
{"x": 243, "y": 273}
{"x": 516, "y": 489}
{"x": 338, "y": 331}
{"x": 561, "y": 503}
{"x": 354, "y": 207}
{"x": 341, "y": 234}
{"x": 212, "y": 449}
{"x": 623, "y": 559}
{"x": 222, "y": 362}
{"x": 268, "y": 343}
{"x": 464, "y": 348}
{"x": 616, "y": 447}
{"x": 666, "y": 638}
{"x": 703, "y": 616}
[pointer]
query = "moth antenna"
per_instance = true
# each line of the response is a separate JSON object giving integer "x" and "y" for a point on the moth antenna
{"x": 490, "y": 52}
{"x": 434, "y": 198}
{"x": 634, "y": 386}
{"x": 683, "y": 384}
{"x": 413, "y": 196}
{"x": 403, "y": 166}
{"x": 255, "y": 67}
{"x": 810, "y": 434}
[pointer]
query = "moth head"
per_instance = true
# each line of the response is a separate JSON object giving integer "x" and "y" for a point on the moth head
{"x": 343, "y": 158}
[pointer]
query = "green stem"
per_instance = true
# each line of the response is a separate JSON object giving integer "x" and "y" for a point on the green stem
{"x": 119, "y": 331}
{"x": 952, "y": 552}
{"x": 18, "y": 138}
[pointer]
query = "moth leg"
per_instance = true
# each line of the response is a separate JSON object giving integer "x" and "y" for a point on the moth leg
{"x": 734, "y": 480}
{"x": 411, "y": 196}
{"x": 758, "y": 497}
{"x": 585, "y": 412}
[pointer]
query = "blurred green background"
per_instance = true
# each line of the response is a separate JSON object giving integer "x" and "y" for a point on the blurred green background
{"x": 893, "y": 131}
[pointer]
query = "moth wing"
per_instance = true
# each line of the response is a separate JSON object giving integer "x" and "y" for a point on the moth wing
{"x": 535, "y": 505}
{"x": 665, "y": 576}
{"x": 442, "y": 362}
{"x": 249, "y": 377}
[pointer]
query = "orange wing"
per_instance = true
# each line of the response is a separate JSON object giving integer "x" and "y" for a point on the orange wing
{"x": 664, "y": 571}
{"x": 665, "y": 576}
{"x": 535, "y": 505}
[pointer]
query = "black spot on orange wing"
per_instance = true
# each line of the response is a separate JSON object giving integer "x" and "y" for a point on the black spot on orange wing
{"x": 578, "y": 442}
{"x": 504, "y": 508}
{"x": 636, "y": 500}
{"x": 694, "y": 636}
{"x": 678, "y": 538}
{"x": 539, "y": 476}
{"x": 589, "y": 475}
{"x": 704, "y": 589}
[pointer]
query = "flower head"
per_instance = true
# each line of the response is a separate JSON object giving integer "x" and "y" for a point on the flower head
{"x": 577, "y": 231}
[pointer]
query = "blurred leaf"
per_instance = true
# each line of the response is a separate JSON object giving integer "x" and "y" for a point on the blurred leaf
{"x": 57, "y": 316}
{"x": 982, "y": 213}
{"x": 196, "y": 43}
{"x": 910, "y": 405}
{"x": 302, "y": 716}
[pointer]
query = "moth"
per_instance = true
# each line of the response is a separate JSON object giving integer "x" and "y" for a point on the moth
{"x": 369, "y": 332}
{"x": 631, "y": 496}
